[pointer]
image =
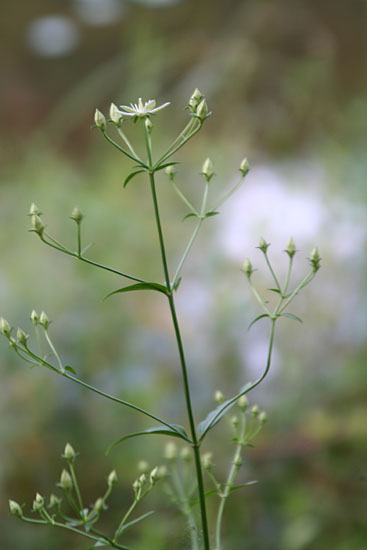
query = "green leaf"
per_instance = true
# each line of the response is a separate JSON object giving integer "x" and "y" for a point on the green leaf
{"x": 163, "y": 166}
{"x": 275, "y": 289}
{"x": 134, "y": 521}
{"x": 131, "y": 176}
{"x": 189, "y": 216}
{"x": 176, "y": 431}
{"x": 209, "y": 214}
{"x": 257, "y": 319}
{"x": 217, "y": 414}
{"x": 139, "y": 286}
{"x": 291, "y": 316}
{"x": 236, "y": 487}
{"x": 177, "y": 284}
{"x": 98, "y": 544}
{"x": 86, "y": 248}
{"x": 70, "y": 369}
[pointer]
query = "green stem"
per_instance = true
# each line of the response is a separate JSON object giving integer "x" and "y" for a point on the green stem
{"x": 76, "y": 486}
{"x": 124, "y": 520}
{"x": 258, "y": 297}
{"x": 185, "y": 200}
{"x": 185, "y": 254}
{"x": 62, "y": 370}
{"x": 272, "y": 272}
{"x": 175, "y": 149}
{"x": 79, "y": 239}
{"x": 122, "y": 150}
{"x": 195, "y": 442}
{"x": 230, "y": 193}
{"x": 124, "y": 137}
{"x": 303, "y": 283}
{"x": 186, "y": 508}
{"x": 181, "y": 136}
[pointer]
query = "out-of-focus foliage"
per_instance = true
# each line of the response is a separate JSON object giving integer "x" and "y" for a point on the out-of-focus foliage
{"x": 283, "y": 79}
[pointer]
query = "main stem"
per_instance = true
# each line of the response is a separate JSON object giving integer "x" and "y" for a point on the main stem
{"x": 195, "y": 442}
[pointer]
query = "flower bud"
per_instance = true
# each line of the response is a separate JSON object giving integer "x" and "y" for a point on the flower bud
{"x": 34, "y": 317}
{"x": 202, "y": 110}
{"x": 37, "y": 224}
{"x": 207, "y": 169}
{"x": 244, "y": 167}
{"x": 115, "y": 114}
{"x": 99, "y": 119}
{"x": 142, "y": 479}
{"x": 195, "y": 99}
{"x": 15, "y": 509}
{"x": 234, "y": 421}
{"x": 43, "y": 320}
{"x": 112, "y": 478}
{"x": 76, "y": 215}
{"x": 247, "y": 268}
{"x": 137, "y": 487}
{"x": 238, "y": 461}
{"x": 38, "y": 503}
{"x": 69, "y": 453}
{"x": 22, "y": 337}
{"x": 34, "y": 210}
{"x": 143, "y": 466}
{"x": 170, "y": 451}
{"x": 291, "y": 247}
{"x": 263, "y": 417}
{"x": 185, "y": 454}
{"x": 5, "y": 328}
{"x": 263, "y": 245}
{"x": 255, "y": 410}
{"x": 148, "y": 125}
{"x": 66, "y": 482}
{"x": 315, "y": 259}
{"x": 207, "y": 461}
{"x": 54, "y": 501}
{"x": 99, "y": 505}
{"x": 243, "y": 402}
{"x": 170, "y": 172}
{"x": 153, "y": 476}
{"x": 218, "y": 397}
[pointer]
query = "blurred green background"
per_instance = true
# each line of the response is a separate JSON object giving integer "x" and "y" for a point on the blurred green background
{"x": 284, "y": 81}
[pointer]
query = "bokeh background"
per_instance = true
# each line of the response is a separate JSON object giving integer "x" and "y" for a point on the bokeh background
{"x": 284, "y": 80}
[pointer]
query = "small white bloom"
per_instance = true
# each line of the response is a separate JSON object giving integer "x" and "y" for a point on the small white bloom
{"x": 141, "y": 109}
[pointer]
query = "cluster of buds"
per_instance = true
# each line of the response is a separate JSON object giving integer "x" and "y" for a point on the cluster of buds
{"x": 198, "y": 105}
{"x": 6, "y": 331}
{"x": 38, "y": 503}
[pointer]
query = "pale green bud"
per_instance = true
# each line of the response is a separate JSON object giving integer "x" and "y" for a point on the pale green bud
{"x": 5, "y": 328}
{"x": 197, "y": 95}
{"x": 202, "y": 110}
{"x": 38, "y": 503}
{"x": 15, "y": 509}
{"x": 99, "y": 505}
{"x": 255, "y": 410}
{"x": 153, "y": 476}
{"x": 112, "y": 478}
{"x": 263, "y": 417}
{"x": 69, "y": 453}
{"x": 170, "y": 451}
{"x": 148, "y": 125}
{"x": 37, "y": 224}
{"x": 247, "y": 267}
{"x": 137, "y": 487}
{"x": 115, "y": 114}
{"x": 34, "y": 317}
{"x": 66, "y": 482}
{"x": 54, "y": 501}
{"x": 234, "y": 421}
{"x": 142, "y": 479}
{"x": 207, "y": 461}
{"x": 22, "y": 337}
{"x": 143, "y": 466}
{"x": 244, "y": 167}
{"x": 207, "y": 169}
{"x": 238, "y": 461}
{"x": 170, "y": 172}
{"x": 43, "y": 320}
{"x": 291, "y": 247}
{"x": 195, "y": 99}
{"x": 263, "y": 245}
{"x": 76, "y": 215}
{"x": 185, "y": 454}
{"x": 315, "y": 259}
{"x": 218, "y": 397}
{"x": 99, "y": 119}
{"x": 34, "y": 210}
{"x": 243, "y": 402}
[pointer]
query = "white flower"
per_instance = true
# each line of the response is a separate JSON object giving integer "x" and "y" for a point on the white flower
{"x": 141, "y": 109}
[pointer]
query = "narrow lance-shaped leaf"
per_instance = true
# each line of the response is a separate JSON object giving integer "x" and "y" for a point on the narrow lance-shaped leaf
{"x": 257, "y": 319}
{"x": 131, "y": 176}
{"x": 291, "y": 316}
{"x": 176, "y": 431}
{"x": 236, "y": 487}
{"x": 139, "y": 286}
{"x": 135, "y": 521}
